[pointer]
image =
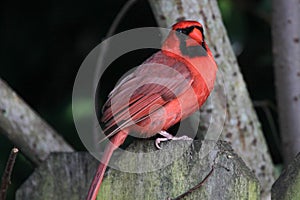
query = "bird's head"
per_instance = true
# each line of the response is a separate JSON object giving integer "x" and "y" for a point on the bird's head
{"x": 186, "y": 38}
{"x": 193, "y": 29}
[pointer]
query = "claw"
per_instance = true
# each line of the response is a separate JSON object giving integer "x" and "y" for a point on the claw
{"x": 159, "y": 140}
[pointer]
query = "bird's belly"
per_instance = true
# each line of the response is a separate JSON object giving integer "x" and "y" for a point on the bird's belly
{"x": 174, "y": 111}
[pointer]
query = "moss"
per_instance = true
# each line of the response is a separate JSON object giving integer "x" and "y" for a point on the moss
{"x": 287, "y": 185}
{"x": 293, "y": 192}
{"x": 253, "y": 191}
{"x": 233, "y": 180}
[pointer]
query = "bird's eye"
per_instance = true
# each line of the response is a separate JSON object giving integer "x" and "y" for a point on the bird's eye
{"x": 183, "y": 31}
{"x": 186, "y": 31}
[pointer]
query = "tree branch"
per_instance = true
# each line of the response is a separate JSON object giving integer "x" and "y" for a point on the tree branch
{"x": 286, "y": 51}
{"x": 26, "y": 129}
{"x": 7, "y": 173}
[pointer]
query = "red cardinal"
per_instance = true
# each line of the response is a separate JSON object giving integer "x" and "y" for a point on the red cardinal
{"x": 169, "y": 86}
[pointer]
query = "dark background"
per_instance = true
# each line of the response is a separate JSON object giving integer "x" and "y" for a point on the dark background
{"x": 43, "y": 43}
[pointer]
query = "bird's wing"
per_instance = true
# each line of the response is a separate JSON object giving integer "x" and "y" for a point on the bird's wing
{"x": 159, "y": 80}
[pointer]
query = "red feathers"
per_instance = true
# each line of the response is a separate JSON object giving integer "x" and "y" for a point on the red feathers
{"x": 168, "y": 87}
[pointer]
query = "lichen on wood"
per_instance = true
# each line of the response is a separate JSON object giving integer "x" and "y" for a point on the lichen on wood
{"x": 68, "y": 175}
{"x": 287, "y": 185}
{"x": 230, "y": 178}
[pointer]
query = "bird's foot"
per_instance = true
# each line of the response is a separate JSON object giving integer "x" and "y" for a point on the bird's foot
{"x": 168, "y": 136}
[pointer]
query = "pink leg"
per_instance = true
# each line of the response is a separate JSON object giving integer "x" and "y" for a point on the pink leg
{"x": 168, "y": 136}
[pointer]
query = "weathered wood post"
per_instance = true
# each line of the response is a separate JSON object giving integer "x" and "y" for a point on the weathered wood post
{"x": 287, "y": 186}
{"x": 68, "y": 175}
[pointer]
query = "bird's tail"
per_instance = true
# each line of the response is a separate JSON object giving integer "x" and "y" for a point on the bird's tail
{"x": 114, "y": 143}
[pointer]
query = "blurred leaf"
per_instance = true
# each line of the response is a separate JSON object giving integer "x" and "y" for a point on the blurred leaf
{"x": 226, "y": 8}
{"x": 80, "y": 108}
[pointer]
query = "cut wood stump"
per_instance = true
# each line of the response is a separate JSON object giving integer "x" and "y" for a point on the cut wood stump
{"x": 68, "y": 175}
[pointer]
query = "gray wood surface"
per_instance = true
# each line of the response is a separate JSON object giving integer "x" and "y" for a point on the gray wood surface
{"x": 287, "y": 186}
{"x": 68, "y": 175}
{"x": 62, "y": 176}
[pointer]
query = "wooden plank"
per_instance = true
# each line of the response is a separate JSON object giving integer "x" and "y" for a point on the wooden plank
{"x": 68, "y": 175}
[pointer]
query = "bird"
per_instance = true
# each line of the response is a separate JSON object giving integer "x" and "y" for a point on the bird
{"x": 166, "y": 88}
